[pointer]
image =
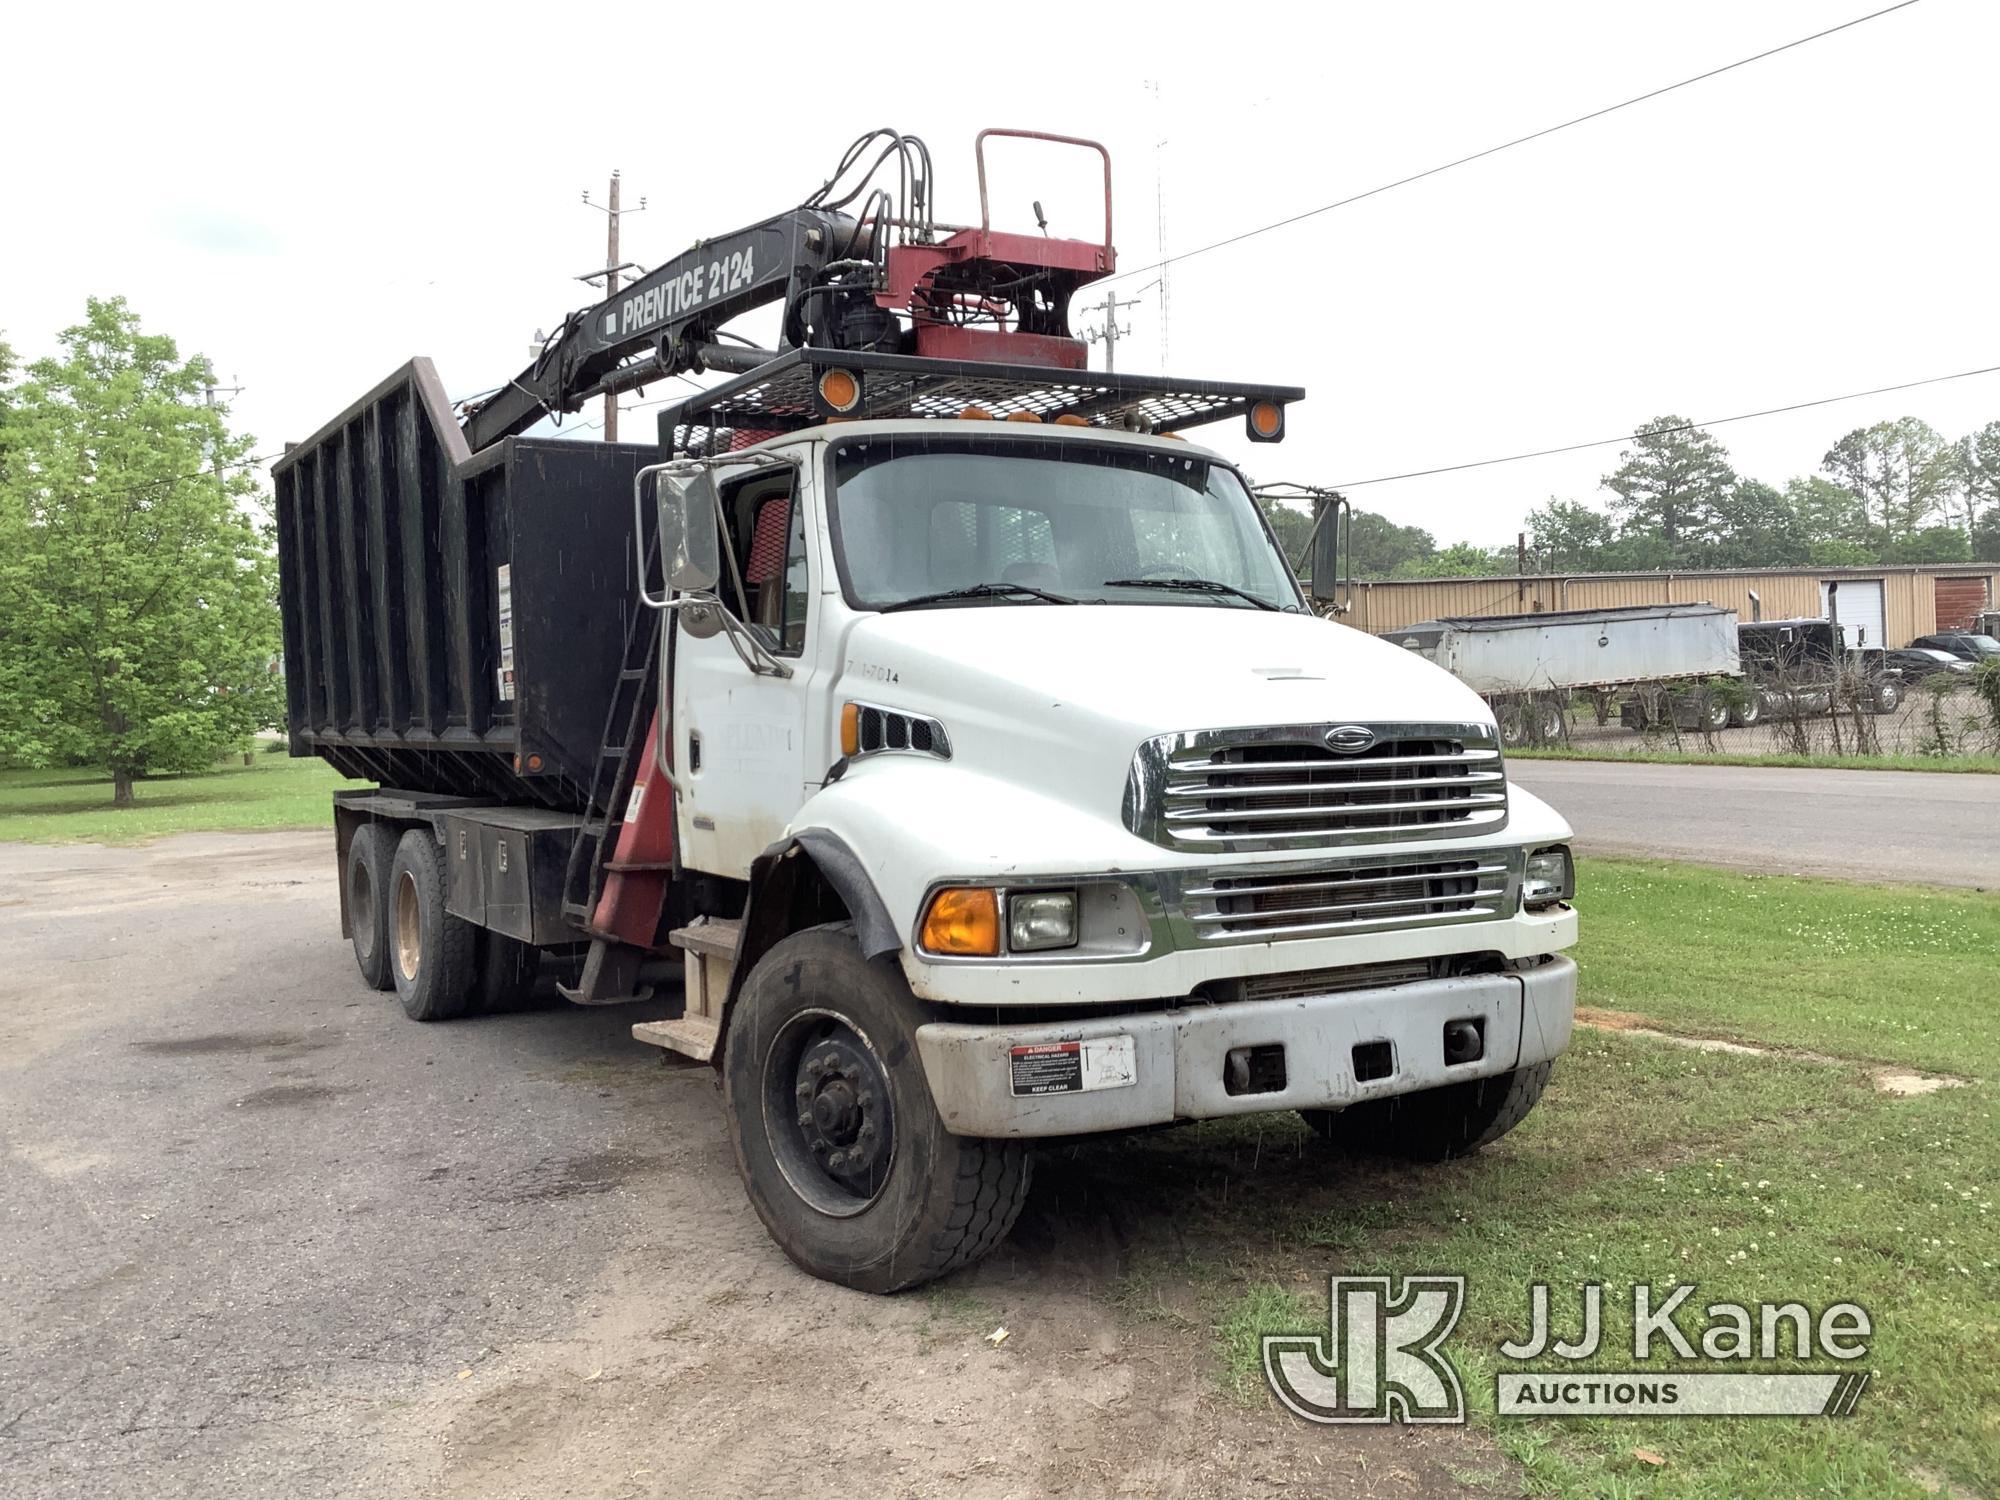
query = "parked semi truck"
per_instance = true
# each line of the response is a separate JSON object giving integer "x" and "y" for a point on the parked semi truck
{"x": 932, "y": 737}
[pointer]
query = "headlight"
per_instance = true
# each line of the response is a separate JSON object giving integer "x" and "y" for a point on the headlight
{"x": 1551, "y": 878}
{"x": 1038, "y": 920}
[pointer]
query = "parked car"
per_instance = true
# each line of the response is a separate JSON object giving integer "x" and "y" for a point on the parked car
{"x": 1966, "y": 645}
{"x": 1918, "y": 662}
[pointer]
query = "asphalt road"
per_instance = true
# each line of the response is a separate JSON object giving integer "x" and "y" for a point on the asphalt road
{"x": 261, "y": 1235}
{"x": 1929, "y": 828}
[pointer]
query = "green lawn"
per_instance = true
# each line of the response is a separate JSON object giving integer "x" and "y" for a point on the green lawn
{"x": 1759, "y": 1177}
{"x": 60, "y": 807}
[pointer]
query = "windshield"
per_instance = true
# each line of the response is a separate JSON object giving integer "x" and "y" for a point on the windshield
{"x": 1058, "y": 521}
{"x": 1985, "y": 645}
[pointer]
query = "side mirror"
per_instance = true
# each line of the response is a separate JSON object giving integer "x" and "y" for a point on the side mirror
{"x": 1329, "y": 536}
{"x": 689, "y": 543}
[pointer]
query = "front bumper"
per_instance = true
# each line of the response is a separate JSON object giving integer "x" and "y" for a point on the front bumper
{"x": 1178, "y": 1059}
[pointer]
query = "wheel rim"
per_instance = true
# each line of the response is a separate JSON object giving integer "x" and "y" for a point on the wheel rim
{"x": 361, "y": 905}
{"x": 409, "y": 926}
{"x": 828, "y": 1112}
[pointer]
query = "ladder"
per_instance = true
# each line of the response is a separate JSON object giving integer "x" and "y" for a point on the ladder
{"x": 617, "y": 764}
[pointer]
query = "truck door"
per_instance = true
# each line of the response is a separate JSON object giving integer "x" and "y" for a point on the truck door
{"x": 739, "y": 736}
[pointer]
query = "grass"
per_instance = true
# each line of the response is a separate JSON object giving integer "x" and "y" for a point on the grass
{"x": 1988, "y": 764}
{"x": 62, "y": 807}
{"x": 1776, "y": 1177}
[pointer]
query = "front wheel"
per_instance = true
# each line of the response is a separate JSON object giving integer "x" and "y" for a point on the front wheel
{"x": 838, "y": 1141}
{"x": 1434, "y": 1124}
{"x": 1888, "y": 696}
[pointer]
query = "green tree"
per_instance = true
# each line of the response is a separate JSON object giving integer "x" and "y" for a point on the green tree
{"x": 1381, "y": 546}
{"x": 1968, "y": 476}
{"x": 1755, "y": 527}
{"x": 1570, "y": 537}
{"x": 1986, "y": 535}
{"x": 1670, "y": 481}
{"x": 1930, "y": 544}
{"x": 1827, "y": 512}
{"x": 138, "y": 620}
{"x": 1894, "y": 469}
{"x": 1838, "y": 552}
{"x": 1459, "y": 560}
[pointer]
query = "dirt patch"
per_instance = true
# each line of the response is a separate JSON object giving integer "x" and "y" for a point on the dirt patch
{"x": 1906, "y": 1083}
{"x": 290, "y": 1095}
{"x": 740, "y": 1390}
{"x": 579, "y": 1176}
{"x": 225, "y": 1043}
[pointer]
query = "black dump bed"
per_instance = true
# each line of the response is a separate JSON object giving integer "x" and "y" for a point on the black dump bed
{"x": 454, "y": 623}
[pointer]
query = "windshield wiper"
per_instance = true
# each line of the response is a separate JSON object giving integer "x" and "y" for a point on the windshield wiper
{"x": 1189, "y": 586}
{"x": 979, "y": 591}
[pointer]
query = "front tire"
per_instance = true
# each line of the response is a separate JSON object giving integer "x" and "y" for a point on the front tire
{"x": 370, "y": 853}
{"x": 838, "y": 1141}
{"x": 1434, "y": 1124}
{"x": 432, "y": 954}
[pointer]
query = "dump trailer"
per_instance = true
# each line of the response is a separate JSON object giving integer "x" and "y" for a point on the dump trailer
{"x": 1527, "y": 666}
{"x": 922, "y": 731}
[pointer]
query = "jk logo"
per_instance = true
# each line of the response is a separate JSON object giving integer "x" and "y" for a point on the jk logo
{"x": 1379, "y": 1360}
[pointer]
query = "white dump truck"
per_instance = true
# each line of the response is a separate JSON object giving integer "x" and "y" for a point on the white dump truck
{"x": 931, "y": 736}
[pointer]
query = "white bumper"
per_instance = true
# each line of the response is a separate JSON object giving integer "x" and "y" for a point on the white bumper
{"x": 1178, "y": 1059}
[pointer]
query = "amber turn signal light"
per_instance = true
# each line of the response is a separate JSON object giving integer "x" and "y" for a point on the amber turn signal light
{"x": 963, "y": 922}
{"x": 850, "y": 729}
{"x": 839, "y": 390}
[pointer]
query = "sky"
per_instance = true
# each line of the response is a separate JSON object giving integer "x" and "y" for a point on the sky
{"x": 311, "y": 195}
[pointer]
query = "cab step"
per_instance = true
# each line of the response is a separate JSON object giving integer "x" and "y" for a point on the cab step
{"x": 712, "y": 937}
{"x": 691, "y": 1036}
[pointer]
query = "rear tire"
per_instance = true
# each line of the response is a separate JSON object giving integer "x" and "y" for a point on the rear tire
{"x": 507, "y": 969}
{"x": 369, "y": 855}
{"x": 1434, "y": 1124}
{"x": 432, "y": 953}
{"x": 838, "y": 1141}
{"x": 1888, "y": 697}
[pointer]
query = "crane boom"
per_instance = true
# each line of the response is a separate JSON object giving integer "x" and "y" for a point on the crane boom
{"x": 671, "y": 310}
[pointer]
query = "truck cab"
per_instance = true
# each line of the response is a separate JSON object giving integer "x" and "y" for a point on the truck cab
{"x": 1118, "y": 831}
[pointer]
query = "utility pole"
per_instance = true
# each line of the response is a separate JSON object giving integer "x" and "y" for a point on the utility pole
{"x": 1111, "y": 333}
{"x": 208, "y": 394}
{"x": 612, "y": 266}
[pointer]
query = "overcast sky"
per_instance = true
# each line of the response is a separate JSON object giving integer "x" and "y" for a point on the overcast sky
{"x": 312, "y": 195}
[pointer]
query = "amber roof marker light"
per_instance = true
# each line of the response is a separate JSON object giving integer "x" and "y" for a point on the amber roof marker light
{"x": 1265, "y": 422}
{"x": 839, "y": 391}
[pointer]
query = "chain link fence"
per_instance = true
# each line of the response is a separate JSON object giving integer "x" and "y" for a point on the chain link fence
{"x": 1854, "y": 712}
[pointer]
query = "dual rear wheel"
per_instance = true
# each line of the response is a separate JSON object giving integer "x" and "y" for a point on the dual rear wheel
{"x": 440, "y": 966}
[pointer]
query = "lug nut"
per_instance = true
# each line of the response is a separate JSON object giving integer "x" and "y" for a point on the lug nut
{"x": 814, "y": 1067}
{"x": 837, "y": 1161}
{"x": 805, "y": 1119}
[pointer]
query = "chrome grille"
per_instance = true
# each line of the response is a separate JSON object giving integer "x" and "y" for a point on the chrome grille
{"x": 1363, "y": 896}
{"x": 1287, "y": 788}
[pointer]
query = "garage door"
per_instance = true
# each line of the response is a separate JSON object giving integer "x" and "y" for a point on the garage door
{"x": 1959, "y": 602}
{"x": 1860, "y": 609}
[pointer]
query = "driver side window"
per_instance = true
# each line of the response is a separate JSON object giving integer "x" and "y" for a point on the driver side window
{"x": 767, "y": 527}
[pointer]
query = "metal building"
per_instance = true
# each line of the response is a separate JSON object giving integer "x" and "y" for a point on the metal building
{"x": 1880, "y": 606}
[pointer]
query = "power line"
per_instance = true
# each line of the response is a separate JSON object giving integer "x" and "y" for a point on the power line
{"x": 1520, "y": 140}
{"x": 1626, "y": 437}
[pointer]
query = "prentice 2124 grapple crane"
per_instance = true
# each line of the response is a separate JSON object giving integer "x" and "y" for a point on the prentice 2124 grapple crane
{"x": 952, "y": 730}
{"x": 877, "y": 280}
